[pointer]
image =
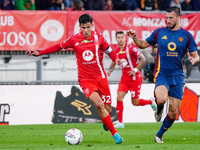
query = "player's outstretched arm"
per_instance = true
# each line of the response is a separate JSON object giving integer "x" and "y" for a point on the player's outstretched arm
{"x": 111, "y": 68}
{"x": 48, "y": 50}
{"x": 140, "y": 43}
{"x": 194, "y": 58}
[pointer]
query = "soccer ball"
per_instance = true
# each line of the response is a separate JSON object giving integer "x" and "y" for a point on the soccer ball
{"x": 73, "y": 136}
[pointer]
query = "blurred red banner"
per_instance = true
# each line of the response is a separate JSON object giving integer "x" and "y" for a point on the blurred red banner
{"x": 22, "y": 30}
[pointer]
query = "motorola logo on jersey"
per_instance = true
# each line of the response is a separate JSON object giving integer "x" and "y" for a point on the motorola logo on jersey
{"x": 87, "y": 55}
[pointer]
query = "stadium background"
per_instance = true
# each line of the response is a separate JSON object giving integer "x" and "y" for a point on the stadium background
{"x": 29, "y": 85}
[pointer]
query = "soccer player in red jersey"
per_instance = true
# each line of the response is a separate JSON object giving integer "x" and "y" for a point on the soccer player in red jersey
{"x": 131, "y": 80}
{"x": 89, "y": 47}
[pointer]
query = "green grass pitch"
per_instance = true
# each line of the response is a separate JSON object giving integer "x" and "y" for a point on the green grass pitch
{"x": 181, "y": 136}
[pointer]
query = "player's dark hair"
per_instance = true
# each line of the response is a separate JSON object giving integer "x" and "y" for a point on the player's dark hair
{"x": 119, "y": 32}
{"x": 85, "y": 18}
{"x": 174, "y": 9}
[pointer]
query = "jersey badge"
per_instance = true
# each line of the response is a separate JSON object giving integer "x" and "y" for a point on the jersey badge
{"x": 87, "y": 41}
{"x": 180, "y": 39}
{"x": 121, "y": 52}
{"x": 164, "y": 37}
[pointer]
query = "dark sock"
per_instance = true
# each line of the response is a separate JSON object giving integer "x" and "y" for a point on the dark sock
{"x": 160, "y": 108}
{"x": 167, "y": 123}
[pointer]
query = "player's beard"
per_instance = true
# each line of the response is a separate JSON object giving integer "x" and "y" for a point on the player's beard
{"x": 172, "y": 27}
{"x": 121, "y": 44}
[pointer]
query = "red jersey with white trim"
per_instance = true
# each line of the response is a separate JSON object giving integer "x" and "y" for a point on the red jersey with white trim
{"x": 89, "y": 54}
{"x": 129, "y": 56}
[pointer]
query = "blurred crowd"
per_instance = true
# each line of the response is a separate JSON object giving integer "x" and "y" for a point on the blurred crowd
{"x": 107, "y": 5}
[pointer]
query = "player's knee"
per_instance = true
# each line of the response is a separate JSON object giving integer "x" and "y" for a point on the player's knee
{"x": 108, "y": 108}
{"x": 99, "y": 105}
{"x": 119, "y": 98}
{"x": 135, "y": 102}
{"x": 160, "y": 100}
{"x": 172, "y": 113}
{"x": 109, "y": 111}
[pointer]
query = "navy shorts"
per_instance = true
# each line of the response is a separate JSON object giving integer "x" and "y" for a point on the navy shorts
{"x": 174, "y": 84}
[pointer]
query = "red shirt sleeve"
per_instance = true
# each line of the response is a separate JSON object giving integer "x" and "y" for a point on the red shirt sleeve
{"x": 104, "y": 44}
{"x": 113, "y": 56}
{"x": 51, "y": 49}
{"x": 107, "y": 49}
{"x": 67, "y": 43}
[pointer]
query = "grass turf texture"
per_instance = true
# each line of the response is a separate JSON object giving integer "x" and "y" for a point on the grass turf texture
{"x": 136, "y": 136}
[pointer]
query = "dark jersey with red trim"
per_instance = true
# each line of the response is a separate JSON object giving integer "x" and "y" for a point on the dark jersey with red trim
{"x": 172, "y": 47}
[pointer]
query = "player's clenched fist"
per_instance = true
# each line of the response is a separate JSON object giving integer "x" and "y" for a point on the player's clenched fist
{"x": 119, "y": 62}
{"x": 131, "y": 33}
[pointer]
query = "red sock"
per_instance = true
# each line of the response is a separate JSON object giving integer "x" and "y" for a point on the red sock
{"x": 143, "y": 102}
{"x": 119, "y": 110}
{"x": 109, "y": 124}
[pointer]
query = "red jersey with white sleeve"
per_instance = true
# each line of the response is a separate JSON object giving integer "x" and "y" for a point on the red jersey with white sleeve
{"x": 89, "y": 54}
{"x": 129, "y": 56}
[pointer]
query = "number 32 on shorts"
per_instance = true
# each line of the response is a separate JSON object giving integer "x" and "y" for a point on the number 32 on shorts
{"x": 105, "y": 99}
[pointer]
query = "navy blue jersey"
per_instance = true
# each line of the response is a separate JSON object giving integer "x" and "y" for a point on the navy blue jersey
{"x": 172, "y": 48}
